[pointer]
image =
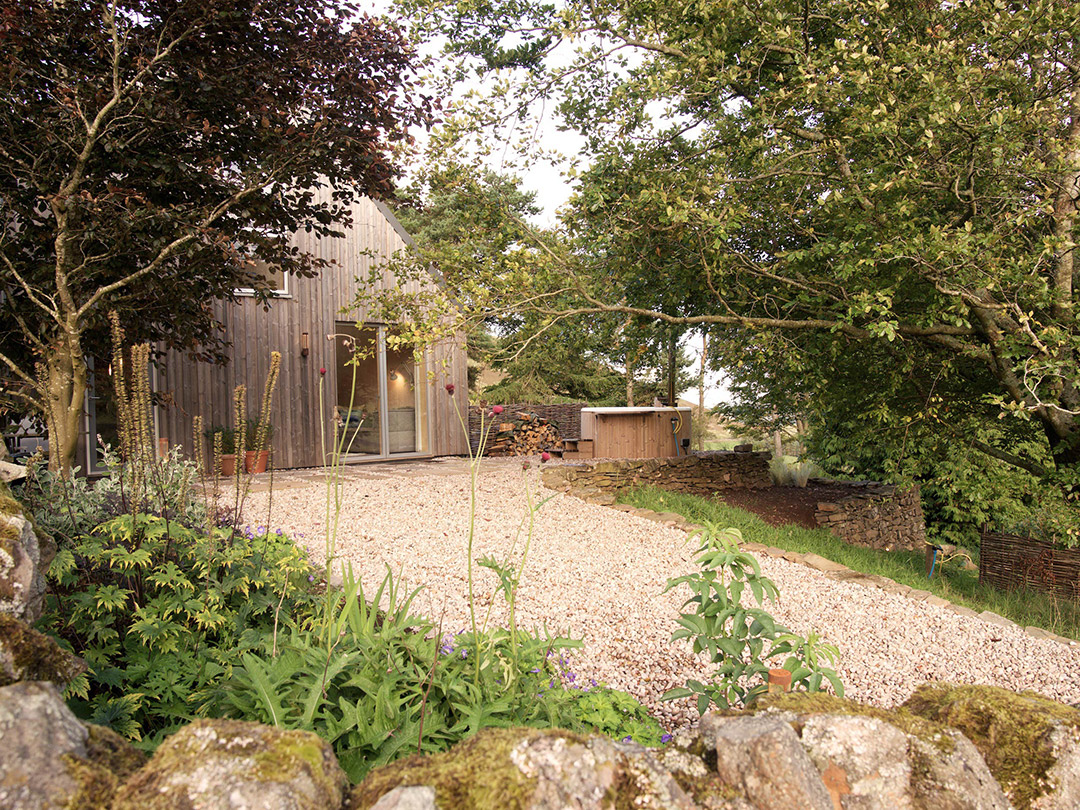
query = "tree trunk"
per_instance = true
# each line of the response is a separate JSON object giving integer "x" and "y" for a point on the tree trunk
{"x": 630, "y": 385}
{"x": 65, "y": 384}
{"x": 701, "y": 392}
{"x": 778, "y": 444}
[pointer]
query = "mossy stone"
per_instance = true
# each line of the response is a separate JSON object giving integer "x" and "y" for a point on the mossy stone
{"x": 108, "y": 749}
{"x": 1011, "y": 731}
{"x": 9, "y": 507}
{"x": 517, "y": 768}
{"x": 806, "y": 703}
{"x": 214, "y": 763}
{"x": 27, "y": 655}
{"x": 476, "y": 774}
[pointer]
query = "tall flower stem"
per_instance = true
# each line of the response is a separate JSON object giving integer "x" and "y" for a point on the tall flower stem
{"x": 474, "y": 473}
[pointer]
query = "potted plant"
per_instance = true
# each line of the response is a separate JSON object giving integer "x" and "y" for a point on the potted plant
{"x": 228, "y": 447}
{"x": 255, "y": 460}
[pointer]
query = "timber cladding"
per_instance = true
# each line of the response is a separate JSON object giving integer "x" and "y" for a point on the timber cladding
{"x": 315, "y": 306}
{"x": 1008, "y": 562}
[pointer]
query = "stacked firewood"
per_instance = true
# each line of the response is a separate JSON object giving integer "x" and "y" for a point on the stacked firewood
{"x": 523, "y": 434}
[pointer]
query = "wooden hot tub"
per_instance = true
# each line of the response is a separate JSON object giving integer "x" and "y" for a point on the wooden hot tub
{"x": 634, "y": 432}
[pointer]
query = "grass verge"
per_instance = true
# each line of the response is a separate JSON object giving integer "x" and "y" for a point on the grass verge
{"x": 1026, "y": 608}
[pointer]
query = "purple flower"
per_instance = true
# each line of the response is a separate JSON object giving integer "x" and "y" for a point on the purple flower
{"x": 627, "y": 738}
{"x": 570, "y": 676}
{"x": 311, "y": 578}
{"x": 665, "y": 738}
{"x": 464, "y": 653}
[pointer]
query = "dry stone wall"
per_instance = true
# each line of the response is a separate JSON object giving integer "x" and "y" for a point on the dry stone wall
{"x": 813, "y": 752}
{"x": 876, "y": 516}
{"x": 698, "y": 474}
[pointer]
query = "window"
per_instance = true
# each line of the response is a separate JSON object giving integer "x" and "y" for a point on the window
{"x": 276, "y": 278}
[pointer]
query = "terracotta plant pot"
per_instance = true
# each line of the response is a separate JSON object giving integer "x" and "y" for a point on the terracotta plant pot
{"x": 253, "y": 465}
{"x": 228, "y": 465}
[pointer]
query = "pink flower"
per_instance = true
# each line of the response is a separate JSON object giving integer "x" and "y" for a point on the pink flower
{"x": 450, "y": 389}
{"x": 322, "y": 372}
{"x": 497, "y": 410}
{"x": 545, "y": 456}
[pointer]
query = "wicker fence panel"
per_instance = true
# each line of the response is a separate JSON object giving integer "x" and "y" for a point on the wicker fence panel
{"x": 1008, "y": 562}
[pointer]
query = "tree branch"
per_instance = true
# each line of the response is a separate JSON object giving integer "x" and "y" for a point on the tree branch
{"x": 1011, "y": 458}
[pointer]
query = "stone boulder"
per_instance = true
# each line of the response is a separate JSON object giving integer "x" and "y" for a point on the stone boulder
{"x": 1030, "y": 743}
{"x": 762, "y": 759}
{"x": 24, "y": 559}
{"x": 27, "y": 655}
{"x": 11, "y": 472}
{"x": 880, "y": 759}
{"x": 234, "y": 765}
{"x": 52, "y": 760}
{"x": 515, "y": 769}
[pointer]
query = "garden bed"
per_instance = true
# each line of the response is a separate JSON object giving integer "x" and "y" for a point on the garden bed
{"x": 784, "y": 506}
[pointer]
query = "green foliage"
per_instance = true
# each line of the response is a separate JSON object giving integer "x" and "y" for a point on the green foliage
{"x": 616, "y": 714}
{"x": 71, "y": 508}
{"x": 792, "y": 473}
{"x": 160, "y": 612}
{"x": 741, "y": 640}
{"x": 382, "y": 684}
{"x": 870, "y": 205}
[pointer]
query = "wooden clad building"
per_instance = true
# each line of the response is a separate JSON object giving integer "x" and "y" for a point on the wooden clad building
{"x": 390, "y": 406}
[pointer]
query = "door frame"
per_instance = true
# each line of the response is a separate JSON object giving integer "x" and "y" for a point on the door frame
{"x": 92, "y": 466}
{"x": 420, "y": 374}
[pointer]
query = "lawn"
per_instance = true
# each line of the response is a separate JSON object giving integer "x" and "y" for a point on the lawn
{"x": 951, "y": 582}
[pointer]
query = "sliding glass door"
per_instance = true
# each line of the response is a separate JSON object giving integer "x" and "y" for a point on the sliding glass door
{"x": 382, "y": 402}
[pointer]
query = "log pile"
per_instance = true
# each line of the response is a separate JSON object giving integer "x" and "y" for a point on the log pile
{"x": 523, "y": 434}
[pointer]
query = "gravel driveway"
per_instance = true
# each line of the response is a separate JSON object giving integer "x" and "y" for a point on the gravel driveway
{"x": 598, "y": 574}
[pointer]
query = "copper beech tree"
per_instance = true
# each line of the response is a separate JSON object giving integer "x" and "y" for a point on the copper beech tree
{"x": 154, "y": 152}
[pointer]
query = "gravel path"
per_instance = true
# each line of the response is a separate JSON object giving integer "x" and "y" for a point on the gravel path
{"x": 598, "y": 574}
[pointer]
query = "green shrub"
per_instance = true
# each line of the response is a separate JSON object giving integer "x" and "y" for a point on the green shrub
{"x": 68, "y": 509}
{"x": 741, "y": 640}
{"x": 160, "y": 612}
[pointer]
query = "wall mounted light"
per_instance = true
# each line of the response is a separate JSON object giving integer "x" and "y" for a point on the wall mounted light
{"x": 305, "y": 348}
{"x": 393, "y": 375}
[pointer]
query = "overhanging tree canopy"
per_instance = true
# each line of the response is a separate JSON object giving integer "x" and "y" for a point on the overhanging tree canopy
{"x": 898, "y": 179}
{"x": 153, "y": 152}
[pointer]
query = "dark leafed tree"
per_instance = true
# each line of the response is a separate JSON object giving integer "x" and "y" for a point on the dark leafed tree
{"x": 154, "y": 154}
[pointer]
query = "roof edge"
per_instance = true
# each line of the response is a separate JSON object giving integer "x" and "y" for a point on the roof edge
{"x": 384, "y": 209}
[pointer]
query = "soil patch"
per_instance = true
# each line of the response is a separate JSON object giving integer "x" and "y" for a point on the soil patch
{"x": 781, "y": 506}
